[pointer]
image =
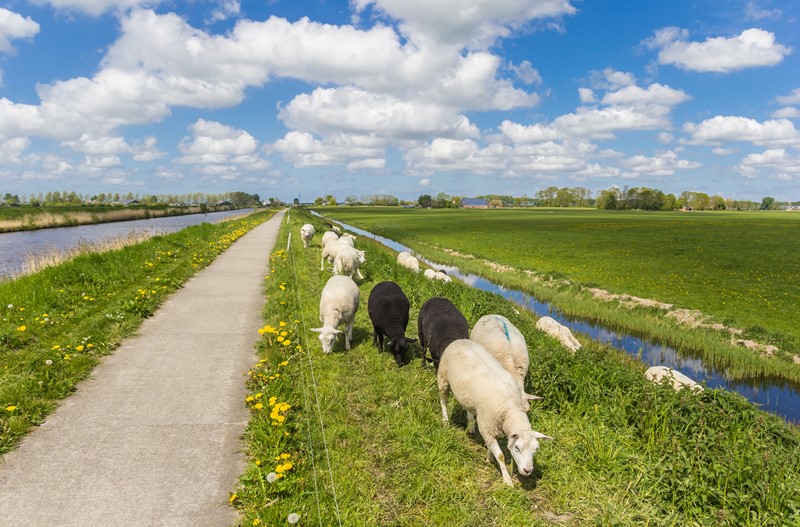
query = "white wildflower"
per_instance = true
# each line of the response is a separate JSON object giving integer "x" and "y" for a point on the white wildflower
{"x": 293, "y": 518}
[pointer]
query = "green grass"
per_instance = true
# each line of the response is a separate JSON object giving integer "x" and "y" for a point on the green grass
{"x": 737, "y": 268}
{"x": 57, "y": 323}
{"x": 625, "y": 452}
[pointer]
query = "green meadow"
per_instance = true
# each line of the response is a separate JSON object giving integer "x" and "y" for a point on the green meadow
{"x": 351, "y": 439}
{"x": 739, "y": 269}
{"x": 55, "y": 324}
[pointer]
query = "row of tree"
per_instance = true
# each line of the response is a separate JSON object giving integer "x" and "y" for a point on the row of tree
{"x": 74, "y": 199}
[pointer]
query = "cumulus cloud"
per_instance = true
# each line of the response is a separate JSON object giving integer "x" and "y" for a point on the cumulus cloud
{"x": 11, "y": 150}
{"x": 756, "y": 13}
{"x": 787, "y": 112}
{"x": 662, "y": 164}
{"x": 724, "y": 129}
{"x": 476, "y": 24}
{"x": 751, "y": 48}
{"x": 780, "y": 162}
{"x": 353, "y": 111}
{"x": 526, "y": 73}
{"x": 95, "y": 7}
{"x": 14, "y": 26}
{"x": 792, "y": 98}
{"x": 219, "y": 150}
{"x": 302, "y": 149}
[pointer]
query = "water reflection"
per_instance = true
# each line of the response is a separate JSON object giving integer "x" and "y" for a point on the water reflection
{"x": 773, "y": 395}
{"x": 16, "y": 246}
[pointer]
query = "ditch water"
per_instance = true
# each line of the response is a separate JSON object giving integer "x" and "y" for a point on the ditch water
{"x": 773, "y": 395}
{"x": 15, "y": 247}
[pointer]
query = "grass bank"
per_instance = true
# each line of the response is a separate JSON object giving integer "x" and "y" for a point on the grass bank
{"x": 56, "y": 324}
{"x": 31, "y": 218}
{"x": 351, "y": 438}
{"x": 562, "y": 257}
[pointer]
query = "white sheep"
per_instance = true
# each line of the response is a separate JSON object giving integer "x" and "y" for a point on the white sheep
{"x": 349, "y": 261}
{"x": 408, "y": 261}
{"x": 338, "y": 304}
{"x": 430, "y": 274}
{"x": 329, "y": 236}
{"x": 486, "y": 390}
{"x": 676, "y": 378}
{"x": 506, "y": 344}
{"x": 559, "y": 332}
{"x": 306, "y": 233}
{"x": 330, "y": 250}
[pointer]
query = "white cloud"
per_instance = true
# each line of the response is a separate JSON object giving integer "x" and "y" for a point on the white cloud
{"x": 476, "y": 24}
{"x": 14, "y": 26}
{"x": 752, "y": 48}
{"x": 719, "y": 151}
{"x": 18, "y": 119}
{"x": 353, "y": 111}
{"x": 721, "y": 129}
{"x": 88, "y": 144}
{"x": 216, "y": 138}
{"x": 663, "y": 164}
{"x": 665, "y": 137}
{"x": 586, "y": 96}
{"x": 611, "y": 79}
{"x": 424, "y": 182}
{"x": 779, "y": 162}
{"x": 302, "y": 149}
{"x": 11, "y": 150}
{"x": 787, "y": 112}
{"x": 361, "y": 164}
{"x": 526, "y": 73}
{"x": 147, "y": 150}
{"x": 96, "y": 7}
{"x": 755, "y": 13}
{"x": 792, "y": 98}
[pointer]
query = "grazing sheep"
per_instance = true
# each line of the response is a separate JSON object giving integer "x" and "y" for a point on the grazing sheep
{"x": 307, "y": 232}
{"x": 388, "y": 310}
{"x": 408, "y": 261}
{"x": 329, "y": 236}
{"x": 506, "y": 344}
{"x": 559, "y": 332}
{"x": 439, "y": 324}
{"x": 440, "y": 275}
{"x": 338, "y": 304}
{"x": 678, "y": 380}
{"x": 349, "y": 261}
{"x": 485, "y": 389}
{"x": 330, "y": 250}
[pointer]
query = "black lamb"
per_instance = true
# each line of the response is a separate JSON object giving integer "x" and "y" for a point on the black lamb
{"x": 388, "y": 311}
{"x": 439, "y": 324}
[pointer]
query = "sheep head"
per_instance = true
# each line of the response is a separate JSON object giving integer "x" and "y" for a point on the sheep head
{"x": 398, "y": 347}
{"x": 523, "y": 447}
{"x": 326, "y": 336}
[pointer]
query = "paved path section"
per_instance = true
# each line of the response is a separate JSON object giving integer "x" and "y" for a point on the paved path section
{"x": 154, "y": 437}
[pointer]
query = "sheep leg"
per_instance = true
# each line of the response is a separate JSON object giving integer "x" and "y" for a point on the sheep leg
{"x": 348, "y": 335}
{"x": 358, "y": 273}
{"x": 322, "y": 264}
{"x": 494, "y": 448}
{"x": 470, "y": 423}
{"x": 444, "y": 387}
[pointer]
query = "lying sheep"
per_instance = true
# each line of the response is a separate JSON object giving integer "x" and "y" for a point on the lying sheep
{"x": 306, "y": 233}
{"x": 559, "y": 332}
{"x": 330, "y": 250}
{"x": 486, "y": 390}
{"x": 439, "y": 324}
{"x": 329, "y": 236}
{"x": 408, "y": 261}
{"x": 440, "y": 275}
{"x": 338, "y": 304}
{"x": 388, "y": 310}
{"x": 349, "y": 261}
{"x": 678, "y": 380}
{"x": 506, "y": 344}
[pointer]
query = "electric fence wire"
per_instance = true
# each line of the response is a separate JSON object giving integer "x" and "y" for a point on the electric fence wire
{"x": 307, "y": 351}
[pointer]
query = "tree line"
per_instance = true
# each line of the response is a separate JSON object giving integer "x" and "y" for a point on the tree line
{"x": 75, "y": 199}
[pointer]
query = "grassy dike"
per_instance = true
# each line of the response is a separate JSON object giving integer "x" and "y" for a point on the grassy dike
{"x": 573, "y": 296}
{"x": 625, "y": 452}
{"x": 56, "y": 324}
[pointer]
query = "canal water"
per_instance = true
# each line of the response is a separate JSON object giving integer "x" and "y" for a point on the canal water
{"x": 775, "y": 396}
{"x": 16, "y": 246}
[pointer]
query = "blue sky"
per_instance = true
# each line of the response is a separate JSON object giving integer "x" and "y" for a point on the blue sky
{"x": 406, "y": 97}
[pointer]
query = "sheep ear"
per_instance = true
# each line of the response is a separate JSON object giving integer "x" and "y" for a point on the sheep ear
{"x": 318, "y": 330}
{"x": 541, "y": 437}
{"x": 529, "y": 397}
{"x": 513, "y": 438}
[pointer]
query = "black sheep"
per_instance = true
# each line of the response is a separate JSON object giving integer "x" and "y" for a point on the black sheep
{"x": 388, "y": 311}
{"x": 439, "y": 324}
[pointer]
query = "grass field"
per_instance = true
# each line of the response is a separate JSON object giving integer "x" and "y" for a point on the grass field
{"x": 55, "y": 324}
{"x": 351, "y": 439}
{"x": 739, "y": 269}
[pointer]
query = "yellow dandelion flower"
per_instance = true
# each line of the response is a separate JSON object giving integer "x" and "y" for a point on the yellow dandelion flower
{"x": 250, "y": 399}
{"x": 258, "y": 406}
{"x": 89, "y": 345}
{"x": 233, "y": 497}
{"x": 282, "y": 324}
{"x": 272, "y": 401}
{"x": 281, "y": 339}
{"x": 256, "y": 522}
{"x": 283, "y": 333}
{"x": 80, "y": 348}
{"x": 258, "y": 462}
{"x": 56, "y": 347}
{"x": 22, "y": 328}
{"x": 10, "y": 408}
{"x": 285, "y": 456}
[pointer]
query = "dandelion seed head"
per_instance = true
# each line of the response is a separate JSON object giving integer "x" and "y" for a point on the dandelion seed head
{"x": 293, "y": 518}
{"x": 48, "y": 362}
{"x": 272, "y": 477}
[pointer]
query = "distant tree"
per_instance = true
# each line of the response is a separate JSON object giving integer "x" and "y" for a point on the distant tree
{"x": 441, "y": 201}
{"x": 457, "y": 201}
{"x": 425, "y": 201}
{"x": 718, "y": 203}
{"x": 767, "y": 203}
{"x": 11, "y": 200}
{"x": 496, "y": 203}
{"x": 318, "y": 201}
{"x": 351, "y": 200}
{"x": 296, "y": 201}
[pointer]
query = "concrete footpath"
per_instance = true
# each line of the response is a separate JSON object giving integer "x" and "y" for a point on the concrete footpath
{"x": 154, "y": 436}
